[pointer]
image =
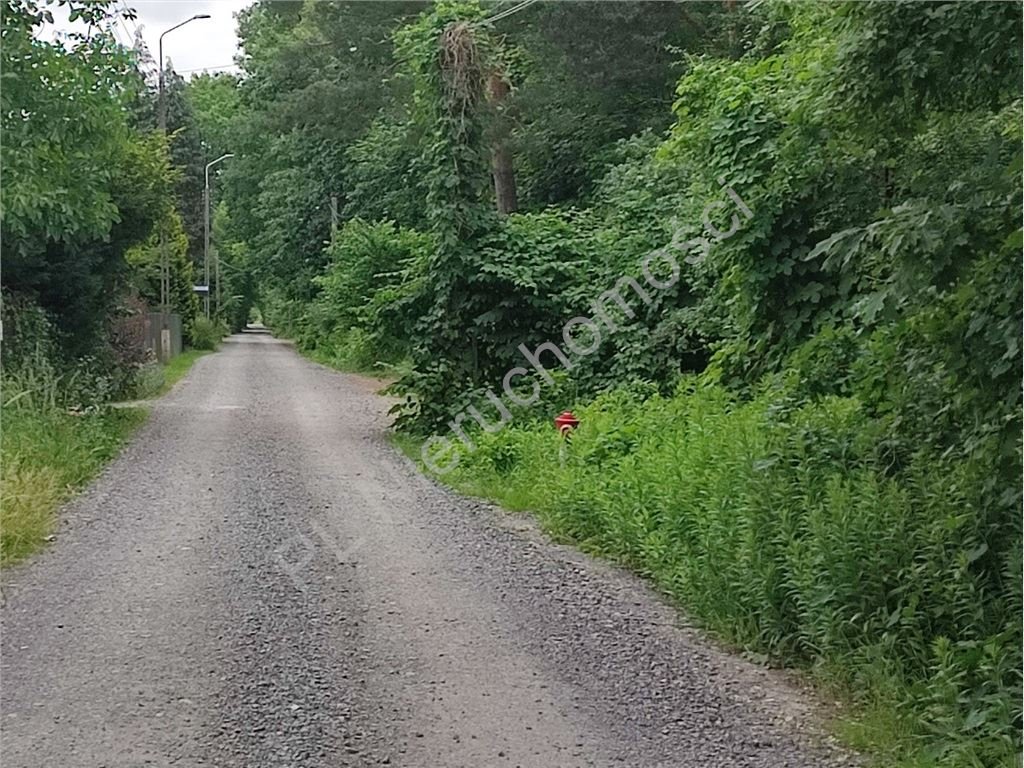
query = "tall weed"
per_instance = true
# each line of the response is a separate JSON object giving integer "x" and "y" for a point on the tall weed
{"x": 57, "y": 428}
{"x": 46, "y": 452}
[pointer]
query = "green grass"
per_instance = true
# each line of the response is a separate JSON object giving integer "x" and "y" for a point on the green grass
{"x": 176, "y": 369}
{"x": 47, "y": 456}
{"x": 774, "y": 527}
{"x": 386, "y": 372}
{"x": 48, "y": 453}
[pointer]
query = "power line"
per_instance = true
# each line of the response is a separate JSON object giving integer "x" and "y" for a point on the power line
{"x": 509, "y": 11}
{"x": 138, "y": 42}
{"x": 127, "y": 17}
{"x": 198, "y": 69}
{"x": 128, "y": 35}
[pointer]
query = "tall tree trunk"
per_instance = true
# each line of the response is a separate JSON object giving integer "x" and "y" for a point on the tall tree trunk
{"x": 501, "y": 156}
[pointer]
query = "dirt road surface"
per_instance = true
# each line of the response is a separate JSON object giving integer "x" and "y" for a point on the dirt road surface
{"x": 260, "y": 580}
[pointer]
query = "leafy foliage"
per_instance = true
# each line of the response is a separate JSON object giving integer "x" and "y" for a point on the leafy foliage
{"x": 359, "y": 318}
{"x": 206, "y": 334}
{"x": 811, "y": 437}
{"x": 85, "y": 186}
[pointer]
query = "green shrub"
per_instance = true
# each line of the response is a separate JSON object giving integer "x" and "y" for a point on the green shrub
{"x": 206, "y": 334}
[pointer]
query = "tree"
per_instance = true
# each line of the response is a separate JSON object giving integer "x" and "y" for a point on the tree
{"x": 587, "y": 74}
{"x": 80, "y": 186}
{"x": 214, "y": 102}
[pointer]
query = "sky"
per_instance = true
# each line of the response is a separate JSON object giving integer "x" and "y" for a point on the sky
{"x": 202, "y": 44}
{"x": 205, "y": 43}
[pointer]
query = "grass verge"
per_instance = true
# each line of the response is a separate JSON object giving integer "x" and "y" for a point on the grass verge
{"x": 47, "y": 456}
{"x": 176, "y": 369}
{"x": 48, "y": 453}
{"x": 351, "y": 353}
{"x": 385, "y": 373}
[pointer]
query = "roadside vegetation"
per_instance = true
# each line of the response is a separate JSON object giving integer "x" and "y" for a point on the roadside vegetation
{"x": 178, "y": 366}
{"x": 774, "y": 522}
{"x": 60, "y": 425}
{"x": 48, "y": 453}
{"x": 89, "y": 183}
{"x": 770, "y": 254}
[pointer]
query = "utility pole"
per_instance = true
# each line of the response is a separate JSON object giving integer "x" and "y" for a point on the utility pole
{"x": 334, "y": 216}
{"x": 216, "y": 254}
{"x": 206, "y": 236}
{"x": 206, "y": 247}
{"x": 165, "y": 260}
{"x": 501, "y": 156}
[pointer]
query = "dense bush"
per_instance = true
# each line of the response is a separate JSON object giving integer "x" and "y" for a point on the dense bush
{"x": 360, "y": 316}
{"x": 204, "y": 333}
{"x": 37, "y": 368}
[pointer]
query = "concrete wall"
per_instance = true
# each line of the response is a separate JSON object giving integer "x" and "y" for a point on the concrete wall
{"x": 163, "y": 334}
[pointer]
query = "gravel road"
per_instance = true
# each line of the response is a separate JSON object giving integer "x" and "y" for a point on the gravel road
{"x": 261, "y": 580}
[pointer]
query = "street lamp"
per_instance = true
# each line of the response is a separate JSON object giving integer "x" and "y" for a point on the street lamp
{"x": 165, "y": 263}
{"x": 206, "y": 236}
{"x": 161, "y": 107}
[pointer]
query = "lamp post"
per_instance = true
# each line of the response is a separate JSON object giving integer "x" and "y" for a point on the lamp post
{"x": 206, "y": 235}
{"x": 165, "y": 263}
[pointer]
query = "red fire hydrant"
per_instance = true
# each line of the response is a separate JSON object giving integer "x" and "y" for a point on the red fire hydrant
{"x": 565, "y": 423}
